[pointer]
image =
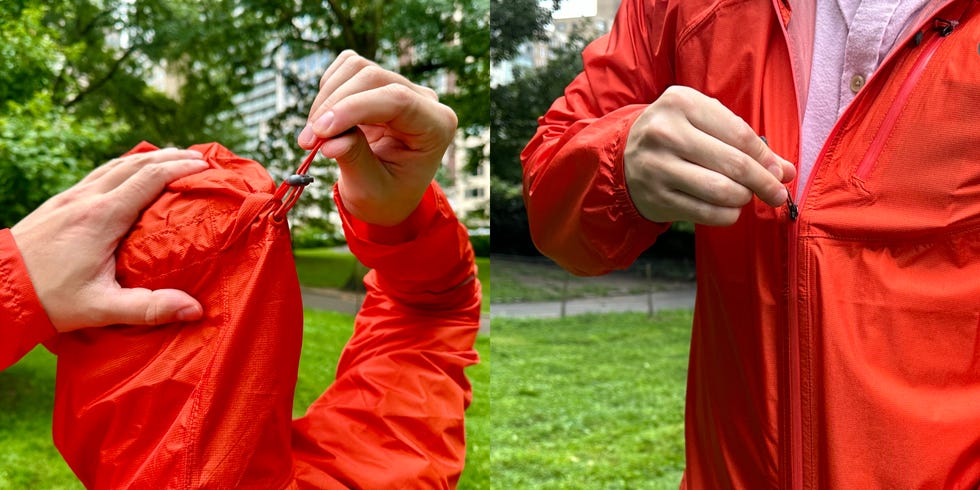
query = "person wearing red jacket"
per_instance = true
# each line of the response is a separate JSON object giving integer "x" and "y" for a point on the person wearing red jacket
{"x": 206, "y": 402}
{"x": 835, "y": 339}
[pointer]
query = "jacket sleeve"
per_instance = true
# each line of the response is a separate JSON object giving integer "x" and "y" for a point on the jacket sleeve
{"x": 579, "y": 209}
{"x": 393, "y": 418}
{"x": 23, "y": 322}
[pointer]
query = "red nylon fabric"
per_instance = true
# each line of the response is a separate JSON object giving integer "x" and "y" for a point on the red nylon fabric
{"x": 208, "y": 404}
{"x": 23, "y": 322}
{"x": 873, "y": 289}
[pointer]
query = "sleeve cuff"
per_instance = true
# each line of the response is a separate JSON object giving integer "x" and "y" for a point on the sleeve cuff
{"x": 423, "y": 260}
{"x": 403, "y": 232}
{"x": 23, "y": 321}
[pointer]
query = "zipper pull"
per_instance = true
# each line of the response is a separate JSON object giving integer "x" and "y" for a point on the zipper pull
{"x": 944, "y": 27}
{"x": 917, "y": 39}
{"x": 794, "y": 212}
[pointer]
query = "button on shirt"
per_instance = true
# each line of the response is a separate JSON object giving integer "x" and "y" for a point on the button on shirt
{"x": 852, "y": 37}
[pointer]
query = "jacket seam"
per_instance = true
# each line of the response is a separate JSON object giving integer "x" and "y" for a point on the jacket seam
{"x": 917, "y": 241}
{"x": 708, "y": 12}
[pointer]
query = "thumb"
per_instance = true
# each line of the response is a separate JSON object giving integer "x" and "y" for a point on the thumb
{"x": 140, "y": 306}
{"x": 357, "y": 161}
{"x": 350, "y": 149}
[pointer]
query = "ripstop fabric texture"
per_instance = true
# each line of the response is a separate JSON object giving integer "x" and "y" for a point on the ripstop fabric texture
{"x": 208, "y": 404}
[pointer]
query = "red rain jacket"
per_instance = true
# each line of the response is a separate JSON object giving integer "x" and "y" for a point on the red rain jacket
{"x": 837, "y": 350}
{"x": 208, "y": 404}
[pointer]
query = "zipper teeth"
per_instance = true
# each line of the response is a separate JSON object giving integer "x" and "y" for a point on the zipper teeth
{"x": 795, "y": 371}
{"x": 795, "y": 376}
{"x": 891, "y": 117}
{"x": 795, "y": 396}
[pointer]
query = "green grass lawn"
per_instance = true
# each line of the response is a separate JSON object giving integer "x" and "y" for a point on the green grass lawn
{"x": 324, "y": 337}
{"x": 327, "y": 268}
{"x": 28, "y": 458}
{"x": 589, "y": 402}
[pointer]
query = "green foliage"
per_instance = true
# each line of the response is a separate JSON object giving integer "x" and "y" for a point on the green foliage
{"x": 43, "y": 151}
{"x": 25, "y": 47}
{"x": 515, "y": 107}
{"x": 430, "y": 42}
{"x": 44, "y": 148}
{"x": 481, "y": 245}
{"x": 74, "y": 84}
{"x": 508, "y": 218}
{"x": 329, "y": 268}
{"x": 208, "y": 50}
{"x": 514, "y": 22}
{"x": 450, "y": 36}
{"x": 315, "y": 235}
{"x": 593, "y": 401}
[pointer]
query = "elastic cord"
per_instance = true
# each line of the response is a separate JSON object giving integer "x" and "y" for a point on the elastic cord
{"x": 294, "y": 189}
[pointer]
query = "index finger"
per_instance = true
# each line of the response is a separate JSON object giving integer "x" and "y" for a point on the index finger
{"x": 400, "y": 108}
{"x": 356, "y": 74}
{"x": 771, "y": 171}
{"x": 123, "y": 167}
{"x": 143, "y": 187}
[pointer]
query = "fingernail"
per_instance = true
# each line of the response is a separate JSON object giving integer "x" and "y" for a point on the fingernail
{"x": 189, "y": 313}
{"x": 306, "y": 136}
{"x": 322, "y": 125}
{"x": 197, "y": 153}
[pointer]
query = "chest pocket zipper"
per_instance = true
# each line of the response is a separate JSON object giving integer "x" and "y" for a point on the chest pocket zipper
{"x": 943, "y": 28}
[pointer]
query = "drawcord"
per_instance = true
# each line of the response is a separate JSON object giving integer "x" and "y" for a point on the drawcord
{"x": 294, "y": 184}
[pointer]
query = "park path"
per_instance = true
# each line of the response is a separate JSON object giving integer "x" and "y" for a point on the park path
{"x": 663, "y": 300}
{"x": 348, "y": 302}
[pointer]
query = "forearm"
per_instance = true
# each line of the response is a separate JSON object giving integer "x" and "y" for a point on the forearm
{"x": 395, "y": 414}
{"x": 579, "y": 209}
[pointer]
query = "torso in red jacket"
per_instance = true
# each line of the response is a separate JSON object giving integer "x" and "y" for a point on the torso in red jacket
{"x": 838, "y": 350}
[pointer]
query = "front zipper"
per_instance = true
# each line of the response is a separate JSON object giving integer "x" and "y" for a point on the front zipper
{"x": 943, "y": 28}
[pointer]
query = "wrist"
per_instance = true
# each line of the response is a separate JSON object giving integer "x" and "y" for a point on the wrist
{"x": 403, "y": 231}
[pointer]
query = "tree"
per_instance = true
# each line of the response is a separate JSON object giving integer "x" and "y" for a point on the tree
{"x": 74, "y": 84}
{"x": 515, "y": 22}
{"x": 91, "y": 62}
{"x": 43, "y": 148}
{"x": 440, "y": 43}
{"x": 209, "y": 49}
{"x": 514, "y": 109}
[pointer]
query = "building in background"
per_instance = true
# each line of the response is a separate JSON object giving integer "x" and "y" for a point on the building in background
{"x": 591, "y": 18}
{"x": 270, "y": 95}
{"x": 467, "y": 190}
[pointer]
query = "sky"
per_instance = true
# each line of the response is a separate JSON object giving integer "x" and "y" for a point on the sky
{"x": 573, "y": 8}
